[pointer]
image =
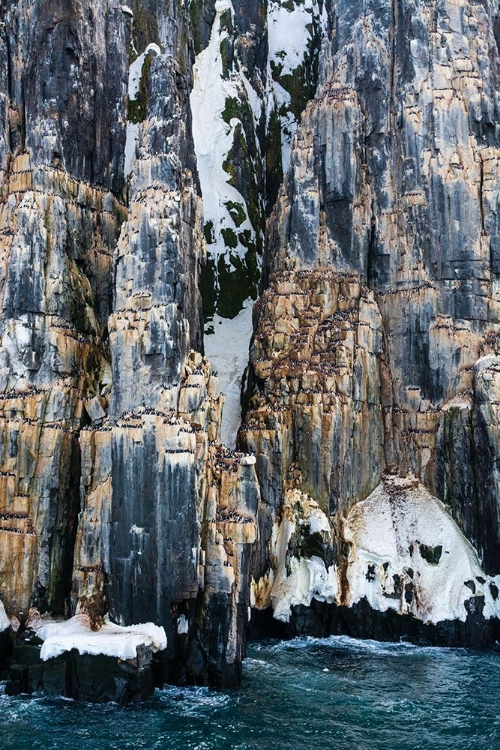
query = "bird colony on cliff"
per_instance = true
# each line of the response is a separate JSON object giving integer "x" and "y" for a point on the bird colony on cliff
{"x": 249, "y": 332}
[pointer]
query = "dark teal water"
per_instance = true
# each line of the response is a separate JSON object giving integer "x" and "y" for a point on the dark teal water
{"x": 306, "y": 694}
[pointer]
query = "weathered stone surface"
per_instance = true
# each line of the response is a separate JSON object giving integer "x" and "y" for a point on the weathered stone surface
{"x": 317, "y": 367}
{"x": 63, "y": 134}
{"x": 393, "y": 183}
{"x": 109, "y": 420}
{"x": 130, "y": 138}
{"x": 89, "y": 678}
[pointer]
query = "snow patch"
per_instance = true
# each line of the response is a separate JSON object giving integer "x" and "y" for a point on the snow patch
{"x": 298, "y": 580}
{"x": 131, "y": 140}
{"x": 4, "y": 620}
{"x": 110, "y": 640}
{"x": 309, "y": 579}
{"x": 408, "y": 554}
{"x": 213, "y": 139}
{"x": 288, "y": 34}
{"x": 133, "y": 128}
{"x": 227, "y": 349}
{"x": 288, "y": 122}
{"x": 182, "y": 625}
{"x": 135, "y": 70}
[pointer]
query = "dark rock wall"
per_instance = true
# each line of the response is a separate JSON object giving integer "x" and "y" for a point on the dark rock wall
{"x": 63, "y": 132}
{"x": 109, "y": 420}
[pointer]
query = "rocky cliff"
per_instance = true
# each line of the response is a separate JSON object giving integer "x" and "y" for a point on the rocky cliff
{"x": 379, "y": 317}
{"x": 143, "y": 149}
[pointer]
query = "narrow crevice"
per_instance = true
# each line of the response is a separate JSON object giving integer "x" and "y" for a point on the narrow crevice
{"x": 481, "y": 195}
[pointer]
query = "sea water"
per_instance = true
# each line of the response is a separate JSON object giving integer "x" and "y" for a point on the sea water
{"x": 305, "y": 694}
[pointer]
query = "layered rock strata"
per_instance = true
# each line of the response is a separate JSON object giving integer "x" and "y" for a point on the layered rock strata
{"x": 135, "y": 141}
{"x": 60, "y": 216}
{"x": 110, "y": 458}
{"x": 392, "y": 194}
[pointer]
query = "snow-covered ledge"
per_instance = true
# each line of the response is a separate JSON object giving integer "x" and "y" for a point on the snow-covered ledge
{"x": 408, "y": 554}
{"x": 110, "y": 640}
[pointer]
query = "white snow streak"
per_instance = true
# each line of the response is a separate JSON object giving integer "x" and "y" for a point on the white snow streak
{"x": 289, "y": 34}
{"x": 134, "y": 79}
{"x": 4, "y": 620}
{"x": 213, "y": 138}
{"x": 297, "y": 580}
{"x": 227, "y": 349}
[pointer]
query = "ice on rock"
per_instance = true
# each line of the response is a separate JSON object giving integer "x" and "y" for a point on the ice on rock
{"x": 136, "y": 529}
{"x": 227, "y": 340}
{"x": 182, "y": 625}
{"x": 4, "y": 620}
{"x": 213, "y": 138}
{"x": 289, "y": 34}
{"x": 111, "y": 640}
{"x": 135, "y": 70}
{"x": 133, "y": 128}
{"x": 299, "y": 580}
{"x": 408, "y": 554}
{"x": 248, "y": 461}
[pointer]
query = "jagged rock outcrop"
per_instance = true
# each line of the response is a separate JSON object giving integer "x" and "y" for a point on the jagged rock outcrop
{"x": 406, "y": 570}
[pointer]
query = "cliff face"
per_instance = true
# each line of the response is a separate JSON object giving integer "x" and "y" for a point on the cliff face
{"x": 62, "y": 205}
{"x": 110, "y": 419}
{"x": 391, "y": 203}
{"x": 141, "y": 148}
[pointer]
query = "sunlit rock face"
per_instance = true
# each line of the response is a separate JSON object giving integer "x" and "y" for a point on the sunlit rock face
{"x": 152, "y": 556}
{"x": 62, "y": 138}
